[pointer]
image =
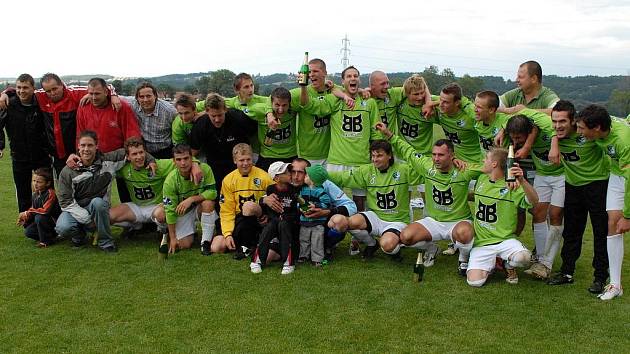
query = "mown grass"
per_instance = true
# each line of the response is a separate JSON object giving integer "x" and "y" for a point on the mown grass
{"x": 65, "y": 300}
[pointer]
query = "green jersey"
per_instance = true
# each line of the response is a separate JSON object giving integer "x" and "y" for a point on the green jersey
{"x": 460, "y": 130}
{"x": 350, "y": 129}
{"x": 545, "y": 99}
{"x": 388, "y": 106}
{"x": 180, "y": 131}
{"x": 313, "y": 131}
{"x": 284, "y": 139}
{"x": 446, "y": 192}
{"x": 387, "y": 191}
{"x": 414, "y": 128}
{"x": 582, "y": 160}
{"x": 542, "y": 143}
{"x": 617, "y": 146}
{"x": 487, "y": 132}
{"x": 145, "y": 188}
{"x": 495, "y": 211}
{"x": 177, "y": 189}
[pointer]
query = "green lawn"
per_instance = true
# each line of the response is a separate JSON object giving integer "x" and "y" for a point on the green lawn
{"x": 65, "y": 300}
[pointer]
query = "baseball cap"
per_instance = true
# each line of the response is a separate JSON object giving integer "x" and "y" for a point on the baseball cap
{"x": 277, "y": 168}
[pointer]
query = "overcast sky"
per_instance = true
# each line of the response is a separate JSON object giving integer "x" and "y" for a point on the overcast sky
{"x": 129, "y": 38}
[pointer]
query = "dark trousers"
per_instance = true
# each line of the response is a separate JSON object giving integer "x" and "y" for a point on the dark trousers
{"x": 329, "y": 240}
{"x": 286, "y": 231}
{"x": 22, "y": 176}
{"x": 246, "y": 231}
{"x": 123, "y": 193}
{"x": 41, "y": 229}
{"x": 580, "y": 202}
{"x": 58, "y": 165}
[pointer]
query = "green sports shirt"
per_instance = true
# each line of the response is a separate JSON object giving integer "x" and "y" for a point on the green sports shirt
{"x": 487, "y": 132}
{"x": 414, "y": 128}
{"x": 495, "y": 210}
{"x": 180, "y": 131}
{"x": 446, "y": 193}
{"x": 617, "y": 146}
{"x": 313, "y": 131}
{"x": 144, "y": 187}
{"x": 350, "y": 129}
{"x": 284, "y": 137}
{"x": 460, "y": 130}
{"x": 388, "y": 106}
{"x": 176, "y": 189}
{"x": 583, "y": 161}
{"x": 387, "y": 191}
{"x": 545, "y": 99}
{"x": 542, "y": 143}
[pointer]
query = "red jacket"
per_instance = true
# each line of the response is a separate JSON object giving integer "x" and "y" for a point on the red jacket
{"x": 112, "y": 128}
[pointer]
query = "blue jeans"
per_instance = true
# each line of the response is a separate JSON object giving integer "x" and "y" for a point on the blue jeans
{"x": 69, "y": 227}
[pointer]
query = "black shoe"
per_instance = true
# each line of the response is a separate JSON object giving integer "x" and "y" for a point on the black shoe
{"x": 369, "y": 251}
{"x": 205, "y": 248}
{"x": 77, "y": 244}
{"x": 328, "y": 254}
{"x": 597, "y": 287}
{"x": 397, "y": 257}
{"x": 128, "y": 233}
{"x": 559, "y": 279}
{"x": 110, "y": 249}
{"x": 462, "y": 268}
{"x": 239, "y": 254}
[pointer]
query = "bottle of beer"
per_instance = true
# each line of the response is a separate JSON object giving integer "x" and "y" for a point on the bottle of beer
{"x": 269, "y": 135}
{"x": 418, "y": 268}
{"x": 509, "y": 177}
{"x": 303, "y": 77}
{"x": 304, "y": 206}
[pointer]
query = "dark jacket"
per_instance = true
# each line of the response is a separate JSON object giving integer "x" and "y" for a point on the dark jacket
{"x": 25, "y": 128}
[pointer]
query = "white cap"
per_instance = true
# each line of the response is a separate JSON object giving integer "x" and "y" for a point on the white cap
{"x": 277, "y": 168}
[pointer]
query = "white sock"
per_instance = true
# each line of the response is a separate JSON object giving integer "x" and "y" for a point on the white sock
{"x": 125, "y": 224}
{"x": 553, "y": 245}
{"x": 394, "y": 251}
{"x": 541, "y": 231}
{"x": 464, "y": 250}
{"x": 207, "y": 226}
{"x": 614, "y": 243}
{"x": 363, "y": 237}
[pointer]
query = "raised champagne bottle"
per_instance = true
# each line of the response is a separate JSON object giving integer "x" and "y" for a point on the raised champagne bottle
{"x": 418, "y": 268}
{"x": 509, "y": 177}
{"x": 303, "y": 73}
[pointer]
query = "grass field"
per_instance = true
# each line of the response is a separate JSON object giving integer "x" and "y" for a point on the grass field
{"x": 65, "y": 300}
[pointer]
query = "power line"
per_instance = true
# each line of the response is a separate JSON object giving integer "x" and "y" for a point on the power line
{"x": 345, "y": 61}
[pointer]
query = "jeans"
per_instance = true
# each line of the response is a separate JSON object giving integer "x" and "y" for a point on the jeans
{"x": 69, "y": 227}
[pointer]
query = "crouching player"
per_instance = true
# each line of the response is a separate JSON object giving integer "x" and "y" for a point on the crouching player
{"x": 496, "y": 205}
{"x": 185, "y": 202}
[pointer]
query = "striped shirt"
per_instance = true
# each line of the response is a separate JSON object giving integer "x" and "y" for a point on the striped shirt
{"x": 155, "y": 126}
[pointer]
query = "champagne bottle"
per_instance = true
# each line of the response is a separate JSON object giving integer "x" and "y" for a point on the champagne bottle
{"x": 509, "y": 177}
{"x": 304, "y": 206}
{"x": 303, "y": 73}
{"x": 163, "y": 250}
{"x": 270, "y": 134}
{"x": 418, "y": 268}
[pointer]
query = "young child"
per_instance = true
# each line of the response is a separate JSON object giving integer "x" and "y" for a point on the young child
{"x": 312, "y": 229}
{"x": 39, "y": 221}
{"x": 284, "y": 225}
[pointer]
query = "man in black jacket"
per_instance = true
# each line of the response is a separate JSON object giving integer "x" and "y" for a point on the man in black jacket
{"x": 24, "y": 124}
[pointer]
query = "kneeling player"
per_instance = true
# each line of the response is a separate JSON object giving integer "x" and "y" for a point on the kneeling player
{"x": 185, "y": 202}
{"x": 496, "y": 206}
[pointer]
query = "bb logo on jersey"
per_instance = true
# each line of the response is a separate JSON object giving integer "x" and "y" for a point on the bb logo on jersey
{"x": 487, "y": 213}
{"x": 320, "y": 122}
{"x": 486, "y": 144}
{"x": 408, "y": 130}
{"x": 242, "y": 200}
{"x": 442, "y": 197}
{"x": 281, "y": 135}
{"x": 352, "y": 126}
{"x": 384, "y": 120}
{"x": 453, "y": 137}
{"x": 386, "y": 200}
{"x": 143, "y": 193}
{"x": 570, "y": 156}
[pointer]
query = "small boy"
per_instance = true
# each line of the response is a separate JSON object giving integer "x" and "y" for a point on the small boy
{"x": 39, "y": 220}
{"x": 284, "y": 225}
{"x": 312, "y": 229}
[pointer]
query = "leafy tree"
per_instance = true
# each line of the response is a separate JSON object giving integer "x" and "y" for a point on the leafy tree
{"x": 619, "y": 102}
{"x": 167, "y": 90}
{"x": 470, "y": 85}
{"x": 118, "y": 85}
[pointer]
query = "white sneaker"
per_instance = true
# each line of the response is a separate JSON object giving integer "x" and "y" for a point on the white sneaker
{"x": 255, "y": 268}
{"x": 354, "y": 247}
{"x": 430, "y": 254}
{"x": 611, "y": 291}
{"x": 287, "y": 269}
{"x": 451, "y": 250}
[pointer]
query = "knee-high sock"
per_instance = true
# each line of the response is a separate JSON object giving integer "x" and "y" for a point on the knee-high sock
{"x": 541, "y": 232}
{"x": 552, "y": 246}
{"x": 363, "y": 237}
{"x": 464, "y": 250}
{"x": 207, "y": 226}
{"x": 614, "y": 244}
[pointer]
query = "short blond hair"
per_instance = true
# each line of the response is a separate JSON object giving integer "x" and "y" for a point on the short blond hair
{"x": 414, "y": 82}
{"x": 241, "y": 149}
{"x": 215, "y": 101}
{"x": 499, "y": 155}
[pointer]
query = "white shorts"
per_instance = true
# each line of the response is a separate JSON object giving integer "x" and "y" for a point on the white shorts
{"x": 186, "y": 223}
{"x": 319, "y": 162}
{"x": 144, "y": 214}
{"x": 615, "y": 192}
{"x": 550, "y": 189}
{"x": 440, "y": 230}
{"x": 484, "y": 257}
{"x": 340, "y": 168}
{"x": 379, "y": 227}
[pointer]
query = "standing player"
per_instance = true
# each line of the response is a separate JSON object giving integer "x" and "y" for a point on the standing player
{"x": 489, "y": 123}
{"x": 530, "y": 92}
{"x": 613, "y": 136}
{"x": 586, "y": 171}
{"x": 495, "y": 220}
